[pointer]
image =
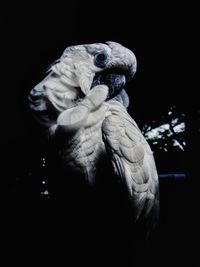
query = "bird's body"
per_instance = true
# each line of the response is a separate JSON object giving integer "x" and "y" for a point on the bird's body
{"x": 82, "y": 106}
{"x": 83, "y": 153}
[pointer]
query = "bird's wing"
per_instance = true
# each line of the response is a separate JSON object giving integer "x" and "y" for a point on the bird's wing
{"x": 132, "y": 160}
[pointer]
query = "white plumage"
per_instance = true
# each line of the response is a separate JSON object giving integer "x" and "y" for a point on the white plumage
{"x": 83, "y": 101}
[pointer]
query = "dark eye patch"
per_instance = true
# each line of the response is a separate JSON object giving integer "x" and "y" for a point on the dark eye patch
{"x": 101, "y": 59}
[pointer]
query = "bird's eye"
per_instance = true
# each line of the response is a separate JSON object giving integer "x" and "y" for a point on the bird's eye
{"x": 100, "y": 60}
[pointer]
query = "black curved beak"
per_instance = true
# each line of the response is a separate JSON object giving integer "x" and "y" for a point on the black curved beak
{"x": 114, "y": 81}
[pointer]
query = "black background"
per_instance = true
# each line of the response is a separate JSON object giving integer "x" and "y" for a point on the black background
{"x": 161, "y": 37}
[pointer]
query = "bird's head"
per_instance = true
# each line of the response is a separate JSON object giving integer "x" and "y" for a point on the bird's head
{"x": 85, "y": 66}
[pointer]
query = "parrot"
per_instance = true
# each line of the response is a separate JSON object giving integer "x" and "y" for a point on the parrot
{"x": 81, "y": 106}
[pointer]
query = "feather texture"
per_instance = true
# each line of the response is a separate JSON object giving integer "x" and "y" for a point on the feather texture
{"x": 87, "y": 126}
{"x": 132, "y": 159}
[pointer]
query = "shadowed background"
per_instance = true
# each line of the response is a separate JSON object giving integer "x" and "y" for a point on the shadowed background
{"x": 35, "y": 36}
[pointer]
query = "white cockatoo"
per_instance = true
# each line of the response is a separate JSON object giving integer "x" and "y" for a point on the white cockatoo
{"x": 82, "y": 104}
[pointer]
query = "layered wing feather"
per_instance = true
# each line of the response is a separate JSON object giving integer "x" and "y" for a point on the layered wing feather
{"x": 132, "y": 160}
